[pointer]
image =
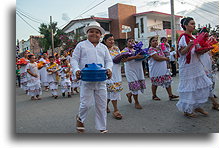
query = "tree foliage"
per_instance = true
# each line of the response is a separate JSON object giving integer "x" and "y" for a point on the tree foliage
{"x": 70, "y": 40}
{"x": 45, "y": 30}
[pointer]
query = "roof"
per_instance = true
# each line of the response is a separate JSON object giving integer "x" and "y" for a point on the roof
{"x": 169, "y": 32}
{"x": 84, "y": 19}
{"x": 155, "y": 12}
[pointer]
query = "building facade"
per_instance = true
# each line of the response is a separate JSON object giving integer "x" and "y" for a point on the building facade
{"x": 142, "y": 25}
{"x": 153, "y": 23}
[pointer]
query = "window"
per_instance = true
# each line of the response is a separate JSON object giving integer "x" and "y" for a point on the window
{"x": 137, "y": 26}
{"x": 80, "y": 31}
{"x": 105, "y": 25}
{"x": 166, "y": 25}
{"x": 142, "y": 25}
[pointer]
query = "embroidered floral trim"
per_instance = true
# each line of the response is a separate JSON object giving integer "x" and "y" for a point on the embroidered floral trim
{"x": 164, "y": 80}
{"x": 114, "y": 87}
{"x": 137, "y": 85}
{"x": 157, "y": 50}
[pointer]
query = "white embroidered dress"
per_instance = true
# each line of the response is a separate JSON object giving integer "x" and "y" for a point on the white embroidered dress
{"x": 194, "y": 85}
{"x": 33, "y": 83}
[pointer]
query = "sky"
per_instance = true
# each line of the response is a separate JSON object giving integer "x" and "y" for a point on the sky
{"x": 39, "y": 11}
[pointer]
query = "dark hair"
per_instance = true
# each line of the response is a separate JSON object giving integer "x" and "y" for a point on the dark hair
{"x": 106, "y": 36}
{"x": 64, "y": 60}
{"x": 51, "y": 57}
{"x": 151, "y": 40}
{"x": 163, "y": 39}
{"x": 185, "y": 21}
{"x": 128, "y": 40}
{"x": 29, "y": 56}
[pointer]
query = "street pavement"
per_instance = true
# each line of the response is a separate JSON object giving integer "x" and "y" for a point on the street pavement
{"x": 58, "y": 115}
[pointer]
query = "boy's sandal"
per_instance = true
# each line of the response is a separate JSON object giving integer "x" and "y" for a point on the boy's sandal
{"x": 155, "y": 98}
{"x": 190, "y": 115}
{"x": 117, "y": 115}
{"x": 55, "y": 97}
{"x": 103, "y": 131}
{"x": 79, "y": 125}
{"x": 200, "y": 110}
{"x": 173, "y": 98}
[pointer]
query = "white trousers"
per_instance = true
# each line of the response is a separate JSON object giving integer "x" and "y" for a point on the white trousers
{"x": 89, "y": 92}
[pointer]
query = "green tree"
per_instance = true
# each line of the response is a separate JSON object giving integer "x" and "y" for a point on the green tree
{"x": 45, "y": 30}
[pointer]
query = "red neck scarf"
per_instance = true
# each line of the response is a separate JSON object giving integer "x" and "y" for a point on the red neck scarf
{"x": 188, "y": 39}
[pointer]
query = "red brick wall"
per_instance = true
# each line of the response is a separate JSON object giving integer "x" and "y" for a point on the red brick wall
{"x": 34, "y": 45}
{"x": 121, "y": 14}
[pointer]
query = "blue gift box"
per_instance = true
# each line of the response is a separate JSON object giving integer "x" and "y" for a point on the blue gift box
{"x": 93, "y": 73}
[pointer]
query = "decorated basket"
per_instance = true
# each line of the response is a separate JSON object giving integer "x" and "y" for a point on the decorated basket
{"x": 22, "y": 61}
{"x": 117, "y": 59}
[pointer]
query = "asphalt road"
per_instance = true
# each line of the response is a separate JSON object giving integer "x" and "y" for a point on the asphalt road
{"x": 58, "y": 116}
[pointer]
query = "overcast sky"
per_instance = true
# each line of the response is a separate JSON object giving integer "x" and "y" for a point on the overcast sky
{"x": 39, "y": 11}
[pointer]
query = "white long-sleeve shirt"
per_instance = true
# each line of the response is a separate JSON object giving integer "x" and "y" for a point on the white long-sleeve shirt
{"x": 86, "y": 53}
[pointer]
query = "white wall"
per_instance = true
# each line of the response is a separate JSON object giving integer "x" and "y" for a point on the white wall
{"x": 24, "y": 46}
{"x": 148, "y": 22}
{"x": 79, "y": 24}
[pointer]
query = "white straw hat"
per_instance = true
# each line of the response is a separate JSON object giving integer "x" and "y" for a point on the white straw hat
{"x": 94, "y": 25}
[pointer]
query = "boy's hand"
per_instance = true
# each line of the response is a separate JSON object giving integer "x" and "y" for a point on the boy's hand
{"x": 78, "y": 74}
{"x": 109, "y": 73}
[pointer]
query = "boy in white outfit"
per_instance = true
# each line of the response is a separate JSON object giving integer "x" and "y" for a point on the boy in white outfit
{"x": 87, "y": 52}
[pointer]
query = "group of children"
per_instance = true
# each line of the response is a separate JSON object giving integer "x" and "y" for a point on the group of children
{"x": 47, "y": 72}
{"x": 195, "y": 85}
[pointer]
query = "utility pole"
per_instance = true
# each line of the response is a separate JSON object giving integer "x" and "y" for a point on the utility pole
{"x": 173, "y": 32}
{"x": 52, "y": 34}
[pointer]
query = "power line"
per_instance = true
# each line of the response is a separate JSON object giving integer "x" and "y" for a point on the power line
{"x": 85, "y": 12}
{"x": 27, "y": 23}
{"x": 200, "y": 8}
{"x": 209, "y": 5}
{"x": 28, "y": 17}
{"x": 90, "y": 8}
{"x": 203, "y": 17}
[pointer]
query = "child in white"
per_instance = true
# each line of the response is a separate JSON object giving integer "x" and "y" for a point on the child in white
{"x": 52, "y": 71}
{"x": 87, "y": 52}
{"x": 65, "y": 78}
{"x": 33, "y": 83}
{"x": 43, "y": 72}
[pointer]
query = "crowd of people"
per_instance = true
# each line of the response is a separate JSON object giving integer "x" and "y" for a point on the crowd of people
{"x": 196, "y": 75}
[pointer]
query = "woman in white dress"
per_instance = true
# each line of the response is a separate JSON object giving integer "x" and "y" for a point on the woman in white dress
{"x": 33, "y": 77}
{"x": 134, "y": 74}
{"x": 23, "y": 71}
{"x": 194, "y": 85}
{"x": 114, "y": 85}
{"x": 159, "y": 74}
